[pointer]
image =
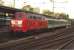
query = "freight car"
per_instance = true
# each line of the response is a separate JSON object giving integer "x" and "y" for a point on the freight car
{"x": 24, "y": 22}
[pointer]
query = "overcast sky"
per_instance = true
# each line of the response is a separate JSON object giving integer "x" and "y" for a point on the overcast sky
{"x": 65, "y": 6}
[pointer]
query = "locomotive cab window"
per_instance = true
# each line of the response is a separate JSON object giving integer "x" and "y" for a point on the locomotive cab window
{"x": 19, "y": 15}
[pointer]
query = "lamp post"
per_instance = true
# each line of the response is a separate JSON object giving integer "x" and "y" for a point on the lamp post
{"x": 52, "y": 6}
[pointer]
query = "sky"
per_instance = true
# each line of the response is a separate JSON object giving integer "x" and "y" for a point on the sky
{"x": 65, "y": 6}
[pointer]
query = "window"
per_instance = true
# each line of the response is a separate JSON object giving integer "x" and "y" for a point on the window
{"x": 39, "y": 17}
{"x": 29, "y": 17}
{"x": 34, "y": 17}
{"x": 43, "y": 18}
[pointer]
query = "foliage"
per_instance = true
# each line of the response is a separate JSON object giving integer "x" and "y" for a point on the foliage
{"x": 47, "y": 12}
{"x": 56, "y": 15}
{"x": 64, "y": 16}
{"x": 31, "y": 9}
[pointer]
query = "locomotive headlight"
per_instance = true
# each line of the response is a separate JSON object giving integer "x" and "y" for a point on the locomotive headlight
{"x": 13, "y": 22}
{"x": 19, "y": 23}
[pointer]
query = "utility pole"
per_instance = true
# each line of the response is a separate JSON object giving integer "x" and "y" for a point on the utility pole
{"x": 14, "y": 3}
{"x": 52, "y": 6}
{"x": 58, "y": 2}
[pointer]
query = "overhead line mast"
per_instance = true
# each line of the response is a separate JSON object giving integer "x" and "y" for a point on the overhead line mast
{"x": 14, "y": 3}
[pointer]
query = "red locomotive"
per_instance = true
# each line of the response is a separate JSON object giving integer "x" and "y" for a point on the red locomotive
{"x": 24, "y": 22}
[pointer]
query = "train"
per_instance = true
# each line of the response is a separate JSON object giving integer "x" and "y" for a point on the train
{"x": 26, "y": 21}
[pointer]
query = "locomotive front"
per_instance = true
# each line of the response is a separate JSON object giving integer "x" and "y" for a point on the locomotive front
{"x": 18, "y": 24}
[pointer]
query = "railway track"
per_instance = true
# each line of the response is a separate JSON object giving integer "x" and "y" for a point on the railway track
{"x": 5, "y": 35}
{"x": 51, "y": 40}
{"x": 54, "y": 40}
{"x": 44, "y": 35}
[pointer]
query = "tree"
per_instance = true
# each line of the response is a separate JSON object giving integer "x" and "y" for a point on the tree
{"x": 31, "y": 9}
{"x": 64, "y": 16}
{"x": 47, "y": 12}
{"x": 56, "y": 15}
{"x": 1, "y": 3}
{"x": 27, "y": 8}
{"x": 36, "y": 10}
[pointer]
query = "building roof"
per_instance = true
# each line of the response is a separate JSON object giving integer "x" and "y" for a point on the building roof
{"x": 8, "y": 9}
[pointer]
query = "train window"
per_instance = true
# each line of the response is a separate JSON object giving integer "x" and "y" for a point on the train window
{"x": 19, "y": 16}
{"x": 29, "y": 17}
{"x": 43, "y": 18}
{"x": 39, "y": 17}
{"x": 34, "y": 17}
